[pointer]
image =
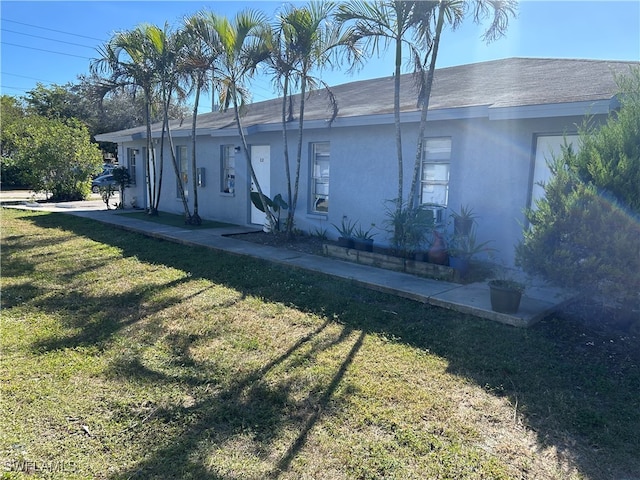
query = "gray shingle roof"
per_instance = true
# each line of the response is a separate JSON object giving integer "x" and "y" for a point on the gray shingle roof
{"x": 511, "y": 82}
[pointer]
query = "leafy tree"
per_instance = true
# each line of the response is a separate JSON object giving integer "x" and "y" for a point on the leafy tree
{"x": 56, "y": 156}
{"x": 56, "y": 102}
{"x": 11, "y": 112}
{"x": 585, "y": 232}
{"x": 96, "y": 103}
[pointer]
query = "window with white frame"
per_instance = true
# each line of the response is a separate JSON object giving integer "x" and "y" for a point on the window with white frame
{"x": 131, "y": 164}
{"x": 183, "y": 166}
{"x": 228, "y": 169}
{"x": 436, "y": 160}
{"x": 320, "y": 177}
{"x": 548, "y": 147}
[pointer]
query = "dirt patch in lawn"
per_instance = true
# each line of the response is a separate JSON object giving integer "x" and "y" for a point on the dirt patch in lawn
{"x": 299, "y": 243}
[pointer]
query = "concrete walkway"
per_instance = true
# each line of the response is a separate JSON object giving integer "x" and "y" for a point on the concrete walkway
{"x": 537, "y": 302}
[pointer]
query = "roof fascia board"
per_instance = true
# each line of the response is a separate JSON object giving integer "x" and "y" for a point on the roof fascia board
{"x": 368, "y": 120}
{"x": 572, "y": 109}
{"x": 414, "y": 117}
{"x": 479, "y": 111}
{"x": 116, "y": 137}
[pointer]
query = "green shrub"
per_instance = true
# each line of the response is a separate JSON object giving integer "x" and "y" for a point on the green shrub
{"x": 56, "y": 156}
{"x": 585, "y": 232}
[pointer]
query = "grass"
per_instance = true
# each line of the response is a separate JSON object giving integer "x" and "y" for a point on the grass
{"x": 174, "y": 220}
{"x": 129, "y": 357}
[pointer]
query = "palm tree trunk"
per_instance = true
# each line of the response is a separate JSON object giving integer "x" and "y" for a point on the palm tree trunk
{"x": 396, "y": 114}
{"x": 292, "y": 206}
{"x": 247, "y": 154}
{"x": 285, "y": 141}
{"x": 176, "y": 167}
{"x": 425, "y": 93}
{"x": 195, "y": 218}
{"x": 159, "y": 169}
{"x": 150, "y": 160}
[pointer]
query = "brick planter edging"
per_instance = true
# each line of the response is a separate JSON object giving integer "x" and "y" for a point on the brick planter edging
{"x": 389, "y": 262}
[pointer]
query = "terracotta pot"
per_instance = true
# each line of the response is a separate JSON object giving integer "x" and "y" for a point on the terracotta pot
{"x": 438, "y": 251}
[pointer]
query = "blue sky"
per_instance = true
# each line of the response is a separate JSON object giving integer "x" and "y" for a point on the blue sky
{"x": 53, "y": 42}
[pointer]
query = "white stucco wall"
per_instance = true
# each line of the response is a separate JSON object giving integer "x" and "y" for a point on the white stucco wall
{"x": 491, "y": 171}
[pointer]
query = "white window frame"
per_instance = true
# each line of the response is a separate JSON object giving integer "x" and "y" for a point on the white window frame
{"x": 436, "y": 154}
{"x": 319, "y": 177}
{"x": 132, "y": 164}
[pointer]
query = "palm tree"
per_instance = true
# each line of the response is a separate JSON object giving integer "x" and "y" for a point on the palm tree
{"x": 199, "y": 63}
{"x": 126, "y": 59}
{"x": 304, "y": 40}
{"x": 453, "y": 11}
{"x": 166, "y": 53}
{"x": 244, "y": 45}
{"x": 380, "y": 24}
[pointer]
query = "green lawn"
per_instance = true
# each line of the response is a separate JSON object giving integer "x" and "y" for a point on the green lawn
{"x": 129, "y": 357}
{"x": 174, "y": 220}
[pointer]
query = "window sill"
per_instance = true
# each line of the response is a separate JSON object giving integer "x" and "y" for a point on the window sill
{"x": 317, "y": 216}
{"x": 227, "y": 194}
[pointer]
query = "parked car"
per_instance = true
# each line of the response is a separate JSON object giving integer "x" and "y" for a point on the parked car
{"x": 102, "y": 181}
{"x": 107, "y": 168}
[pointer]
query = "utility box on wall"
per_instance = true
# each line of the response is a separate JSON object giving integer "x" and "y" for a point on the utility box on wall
{"x": 200, "y": 177}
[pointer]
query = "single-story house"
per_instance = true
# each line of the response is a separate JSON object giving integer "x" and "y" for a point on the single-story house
{"x": 490, "y": 127}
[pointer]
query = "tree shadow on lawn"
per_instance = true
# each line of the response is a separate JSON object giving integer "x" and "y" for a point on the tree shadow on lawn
{"x": 251, "y": 406}
{"x": 576, "y": 387}
{"x": 95, "y": 320}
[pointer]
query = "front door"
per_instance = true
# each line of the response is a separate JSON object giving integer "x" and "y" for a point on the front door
{"x": 261, "y": 162}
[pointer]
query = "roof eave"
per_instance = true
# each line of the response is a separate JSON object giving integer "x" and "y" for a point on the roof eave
{"x": 569, "y": 109}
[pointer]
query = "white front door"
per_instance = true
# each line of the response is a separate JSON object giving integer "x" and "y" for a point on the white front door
{"x": 261, "y": 162}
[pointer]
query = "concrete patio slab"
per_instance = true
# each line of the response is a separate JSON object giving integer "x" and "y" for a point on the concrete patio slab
{"x": 538, "y": 301}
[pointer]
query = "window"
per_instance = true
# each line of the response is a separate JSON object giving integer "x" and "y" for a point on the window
{"x": 228, "y": 169}
{"x": 547, "y": 147}
{"x": 183, "y": 165}
{"x": 320, "y": 177}
{"x": 435, "y": 172}
{"x": 131, "y": 164}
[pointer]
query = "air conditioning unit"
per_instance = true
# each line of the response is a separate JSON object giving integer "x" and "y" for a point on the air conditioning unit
{"x": 438, "y": 214}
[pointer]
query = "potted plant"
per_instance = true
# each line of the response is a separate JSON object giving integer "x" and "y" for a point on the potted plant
{"x": 408, "y": 227}
{"x": 505, "y": 293}
{"x": 345, "y": 232}
{"x": 463, "y": 220}
{"x": 462, "y": 248}
{"x": 363, "y": 239}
